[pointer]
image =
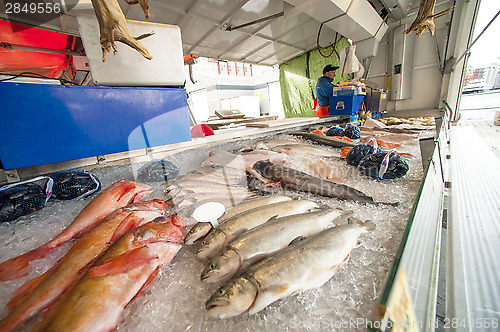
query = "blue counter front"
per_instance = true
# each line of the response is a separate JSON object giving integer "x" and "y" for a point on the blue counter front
{"x": 44, "y": 124}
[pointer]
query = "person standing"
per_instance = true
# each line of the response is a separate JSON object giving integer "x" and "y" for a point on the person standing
{"x": 324, "y": 90}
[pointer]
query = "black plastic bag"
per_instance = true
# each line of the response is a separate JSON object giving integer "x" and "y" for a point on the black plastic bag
{"x": 358, "y": 152}
{"x": 71, "y": 184}
{"x": 335, "y": 131}
{"x": 352, "y": 132}
{"x": 158, "y": 170}
{"x": 19, "y": 199}
{"x": 371, "y": 165}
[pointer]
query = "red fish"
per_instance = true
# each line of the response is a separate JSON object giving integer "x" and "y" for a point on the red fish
{"x": 116, "y": 278}
{"x": 41, "y": 292}
{"x": 117, "y": 195}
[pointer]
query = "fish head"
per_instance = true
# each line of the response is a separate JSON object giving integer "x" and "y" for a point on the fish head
{"x": 161, "y": 229}
{"x": 264, "y": 167}
{"x": 232, "y": 299}
{"x": 211, "y": 244}
{"x": 221, "y": 267}
{"x": 197, "y": 232}
{"x": 151, "y": 205}
{"x": 129, "y": 192}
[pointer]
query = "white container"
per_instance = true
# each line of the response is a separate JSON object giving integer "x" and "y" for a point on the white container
{"x": 248, "y": 105}
{"x": 128, "y": 67}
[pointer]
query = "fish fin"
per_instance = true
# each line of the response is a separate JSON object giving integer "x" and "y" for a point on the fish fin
{"x": 339, "y": 266}
{"x": 129, "y": 223}
{"x": 123, "y": 263}
{"x": 278, "y": 289}
{"x": 368, "y": 224}
{"x": 178, "y": 221}
{"x": 272, "y": 218}
{"x": 18, "y": 267}
{"x": 145, "y": 287}
{"x": 25, "y": 290}
{"x": 297, "y": 240}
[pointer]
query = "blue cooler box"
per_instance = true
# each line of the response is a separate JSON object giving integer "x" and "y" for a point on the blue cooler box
{"x": 345, "y": 105}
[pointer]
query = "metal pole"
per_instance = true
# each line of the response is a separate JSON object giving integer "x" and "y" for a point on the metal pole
{"x": 10, "y": 46}
{"x": 475, "y": 40}
{"x": 230, "y": 28}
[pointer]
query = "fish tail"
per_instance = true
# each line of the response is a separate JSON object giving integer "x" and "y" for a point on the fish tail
{"x": 368, "y": 224}
{"x": 25, "y": 311}
{"x": 25, "y": 290}
{"x": 18, "y": 267}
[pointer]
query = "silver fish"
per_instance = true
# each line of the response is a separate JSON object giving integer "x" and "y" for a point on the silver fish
{"x": 266, "y": 239}
{"x": 303, "y": 265}
{"x": 201, "y": 229}
{"x": 233, "y": 227}
{"x": 271, "y": 143}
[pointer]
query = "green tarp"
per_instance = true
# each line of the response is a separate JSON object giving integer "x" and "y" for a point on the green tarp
{"x": 296, "y": 90}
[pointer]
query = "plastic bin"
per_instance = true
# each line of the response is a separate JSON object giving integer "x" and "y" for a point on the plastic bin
{"x": 346, "y": 105}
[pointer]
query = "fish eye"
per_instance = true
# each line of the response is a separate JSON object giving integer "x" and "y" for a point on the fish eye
{"x": 212, "y": 266}
{"x": 221, "y": 292}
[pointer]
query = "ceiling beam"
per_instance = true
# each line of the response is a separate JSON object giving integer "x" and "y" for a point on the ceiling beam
{"x": 224, "y": 20}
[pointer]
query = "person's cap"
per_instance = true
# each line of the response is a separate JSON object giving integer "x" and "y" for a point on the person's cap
{"x": 329, "y": 68}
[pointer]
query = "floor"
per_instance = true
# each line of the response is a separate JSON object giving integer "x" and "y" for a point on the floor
{"x": 469, "y": 287}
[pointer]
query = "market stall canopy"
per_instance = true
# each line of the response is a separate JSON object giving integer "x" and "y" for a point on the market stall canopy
{"x": 267, "y": 32}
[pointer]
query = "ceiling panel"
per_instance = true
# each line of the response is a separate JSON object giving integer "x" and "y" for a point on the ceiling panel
{"x": 256, "y": 9}
{"x": 203, "y": 26}
{"x": 283, "y": 26}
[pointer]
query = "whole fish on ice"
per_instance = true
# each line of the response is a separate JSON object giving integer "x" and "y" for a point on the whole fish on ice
{"x": 271, "y": 143}
{"x": 243, "y": 162}
{"x": 41, "y": 292}
{"x": 266, "y": 239}
{"x": 115, "y": 196}
{"x": 201, "y": 229}
{"x": 96, "y": 302}
{"x": 304, "y": 182}
{"x": 236, "y": 225}
{"x": 304, "y": 265}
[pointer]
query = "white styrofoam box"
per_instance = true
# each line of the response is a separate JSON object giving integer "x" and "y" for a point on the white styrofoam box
{"x": 128, "y": 67}
{"x": 360, "y": 22}
{"x": 248, "y": 105}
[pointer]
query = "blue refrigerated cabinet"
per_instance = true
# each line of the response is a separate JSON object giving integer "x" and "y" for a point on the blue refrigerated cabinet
{"x": 44, "y": 123}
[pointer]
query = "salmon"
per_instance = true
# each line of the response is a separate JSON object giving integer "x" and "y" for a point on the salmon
{"x": 201, "y": 229}
{"x": 41, "y": 292}
{"x": 116, "y": 278}
{"x": 303, "y": 265}
{"x": 242, "y": 222}
{"x": 117, "y": 195}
